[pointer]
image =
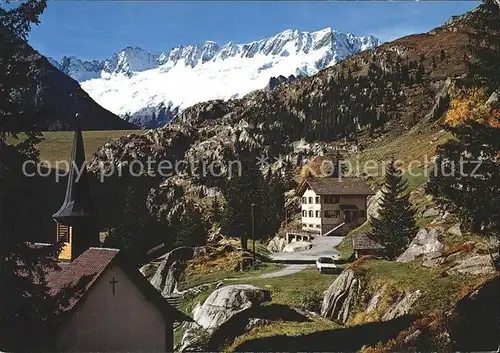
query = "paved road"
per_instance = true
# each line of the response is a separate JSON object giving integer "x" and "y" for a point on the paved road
{"x": 322, "y": 246}
{"x": 285, "y": 271}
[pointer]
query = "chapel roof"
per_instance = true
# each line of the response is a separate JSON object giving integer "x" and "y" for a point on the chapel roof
{"x": 78, "y": 202}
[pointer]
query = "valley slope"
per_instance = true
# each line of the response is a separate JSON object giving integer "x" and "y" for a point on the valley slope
{"x": 59, "y": 97}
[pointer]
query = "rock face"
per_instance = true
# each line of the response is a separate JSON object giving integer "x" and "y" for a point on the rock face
{"x": 167, "y": 275}
{"x": 297, "y": 246}
{"x": 341, "y": 296}
{"x": 276, "y": 244}
{"x": 426, "y": 241}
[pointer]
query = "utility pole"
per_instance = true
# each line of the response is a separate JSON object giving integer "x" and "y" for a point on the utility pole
{"x": 286, "y": 219}
{"x": 253, "y": 233}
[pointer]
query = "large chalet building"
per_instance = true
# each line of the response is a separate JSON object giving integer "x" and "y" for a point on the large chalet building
{"x": 333, "y": 206}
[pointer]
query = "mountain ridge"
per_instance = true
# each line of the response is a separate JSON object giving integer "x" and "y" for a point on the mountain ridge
{"x": 149, "y": 89}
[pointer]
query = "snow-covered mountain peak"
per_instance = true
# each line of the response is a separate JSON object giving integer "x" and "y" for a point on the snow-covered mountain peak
{"x": 129, "y": 60}
{"x": 139, "y": 85}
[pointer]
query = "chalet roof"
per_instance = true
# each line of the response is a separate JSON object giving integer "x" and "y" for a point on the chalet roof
{"x": 81, "y": 274}
{"x": 364, "y": 242}
{"x": 336, "y": 186}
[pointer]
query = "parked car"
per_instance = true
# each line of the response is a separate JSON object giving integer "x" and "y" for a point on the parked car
{"x": 325, "y": 264}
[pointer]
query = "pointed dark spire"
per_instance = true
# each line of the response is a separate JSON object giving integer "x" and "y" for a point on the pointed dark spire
{"x": 78, "y": 203}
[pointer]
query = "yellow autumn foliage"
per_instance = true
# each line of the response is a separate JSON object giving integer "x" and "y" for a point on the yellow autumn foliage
{"x": 471, "y": 104}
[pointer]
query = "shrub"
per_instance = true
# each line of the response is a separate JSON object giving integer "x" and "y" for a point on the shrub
{"x": 312, "y": 301}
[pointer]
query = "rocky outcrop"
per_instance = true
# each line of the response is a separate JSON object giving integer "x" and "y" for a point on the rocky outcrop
{"x": 348, "y": 294}
{"x": 341, "y": 296}
{"x": 277, "y": 81}
{"x": 425, "y": 242}
{"x": 168, "y": 144}
{"x": 474, "y": 265}
{"x": 297, "y": 246}
{"x": 402, "y": 306}
{"x": 276, "y": 244}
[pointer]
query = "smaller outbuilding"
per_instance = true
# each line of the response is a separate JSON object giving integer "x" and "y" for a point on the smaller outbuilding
{"x": 363, "y": 245}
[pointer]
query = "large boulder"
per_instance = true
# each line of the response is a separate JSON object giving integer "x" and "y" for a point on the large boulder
{"x": 297, "y": 246}
{"x": 276, "y": 244}
{"x": 341, "y": 296}
{"x": 455, "y": 230}
{"x": 425, "y": 242}
{"x": 225, "y": 302}
{"x": 494, "y": 100}
{"x": 431, "y": 212}
{"x": 246, "y": 320}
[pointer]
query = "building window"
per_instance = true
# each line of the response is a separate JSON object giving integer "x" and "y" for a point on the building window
{"x": 310, "y": 213}
{"x": 318, "y": 199}
{"x": 310, "y": 199}
{"x": 332, "y": 214}
{"x": 331, "y": 199}
{"x": 304, "y": 213}
{"x": 304, "y": 200}
{"x": 318, "y": 214}
{"x": 318, "y": 226}
{"x": 311, "y": 225}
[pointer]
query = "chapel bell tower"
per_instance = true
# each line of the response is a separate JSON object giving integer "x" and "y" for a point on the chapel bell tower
{"x": 76, "y": 219}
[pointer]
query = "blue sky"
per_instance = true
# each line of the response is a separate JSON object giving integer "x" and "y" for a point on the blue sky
{"x": 96, "y": 29}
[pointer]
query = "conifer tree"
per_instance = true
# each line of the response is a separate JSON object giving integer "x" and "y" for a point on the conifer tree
{"x": 484, "y": 45}
{"x": 240, "y": 191}
{"x": 27, "y": 311}
{"x": 216, "y": 210}
{"x": 132, "y": 232}
{"x": 395, "y": 226}
{"x": 466, "y": 180}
